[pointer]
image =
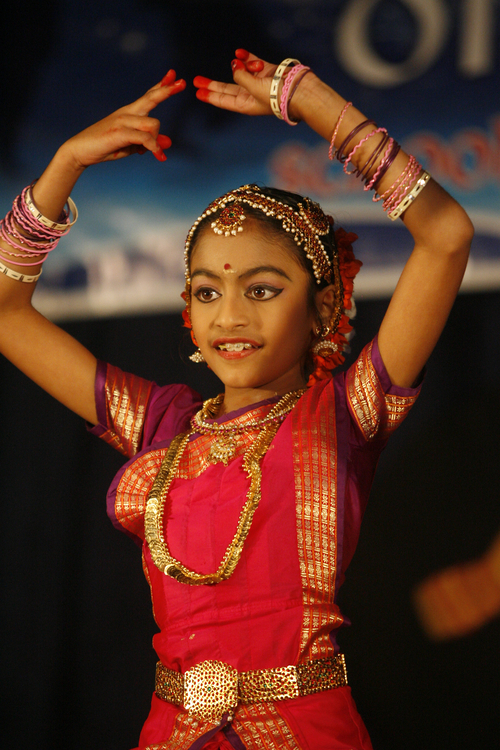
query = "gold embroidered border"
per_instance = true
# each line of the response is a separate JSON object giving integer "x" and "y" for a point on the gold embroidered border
{"x": 315, "y": 469}
{"x": 133, "y": 488}
{"x": 376, "y": 413}
{"x": 262, "y": 727}
{"x": 185, "y": 731}
{"x": 126, "y": 398}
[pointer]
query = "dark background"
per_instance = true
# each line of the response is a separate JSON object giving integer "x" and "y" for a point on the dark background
{"x": 77, "y": 662}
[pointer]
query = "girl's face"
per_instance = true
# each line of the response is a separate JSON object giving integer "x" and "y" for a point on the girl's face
{"x": 250, "y": 311}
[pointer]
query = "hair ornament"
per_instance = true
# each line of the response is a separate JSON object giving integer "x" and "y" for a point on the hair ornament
{"x": 306, "y": 225}
{"x": 229, "y": 221}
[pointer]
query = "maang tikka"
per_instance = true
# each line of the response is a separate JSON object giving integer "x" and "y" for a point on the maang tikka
{"x": 307, "y": 224}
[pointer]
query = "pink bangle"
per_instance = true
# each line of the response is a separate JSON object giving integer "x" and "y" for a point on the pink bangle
{"x": 285, "y": 91}
{"x": 358, "y": 145}
{"x": 331, "y": 150}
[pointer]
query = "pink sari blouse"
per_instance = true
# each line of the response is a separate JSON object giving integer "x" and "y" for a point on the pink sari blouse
{"x": 279, "y": 606}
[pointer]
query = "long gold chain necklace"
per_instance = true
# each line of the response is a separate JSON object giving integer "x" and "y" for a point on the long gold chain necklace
{"x": 252, "y": 459}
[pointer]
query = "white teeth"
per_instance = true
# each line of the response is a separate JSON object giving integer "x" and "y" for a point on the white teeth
{"x": 236, "y": 347}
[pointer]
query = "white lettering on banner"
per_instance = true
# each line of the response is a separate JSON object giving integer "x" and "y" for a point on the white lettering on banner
{"x": 357, "y": 55}
{"x": 476, "y": 45}
{"x": 477, "y": 38}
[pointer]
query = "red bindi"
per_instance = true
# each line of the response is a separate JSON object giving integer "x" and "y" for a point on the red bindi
{"x": 227, "y": 266}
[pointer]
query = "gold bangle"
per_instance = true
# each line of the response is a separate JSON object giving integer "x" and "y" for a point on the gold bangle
{"x": 278, "y": 75}
{"x": 6, "y": 271}
{"x": 422, "y": 181}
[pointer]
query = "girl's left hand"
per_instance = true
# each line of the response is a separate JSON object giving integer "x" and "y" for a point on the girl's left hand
{"x": 249, "y": 94}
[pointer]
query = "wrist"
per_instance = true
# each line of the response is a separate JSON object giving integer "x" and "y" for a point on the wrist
{"x": 316, "y": 104}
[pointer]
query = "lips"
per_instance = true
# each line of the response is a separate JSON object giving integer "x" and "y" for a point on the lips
{"x": 235, "y": 348}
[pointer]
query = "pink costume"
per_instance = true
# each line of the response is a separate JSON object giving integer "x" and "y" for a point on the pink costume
{"x": 278, "y": 608}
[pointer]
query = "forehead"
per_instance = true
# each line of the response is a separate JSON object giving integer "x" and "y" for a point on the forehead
{"x": 250, "y": 248}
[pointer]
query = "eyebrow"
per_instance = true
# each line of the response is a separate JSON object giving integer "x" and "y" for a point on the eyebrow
{"x": 245, "y": 275}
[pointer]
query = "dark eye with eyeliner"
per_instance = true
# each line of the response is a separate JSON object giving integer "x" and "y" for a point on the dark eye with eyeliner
{"x": 206, "y": 294}
{"x": 263, "y": 292}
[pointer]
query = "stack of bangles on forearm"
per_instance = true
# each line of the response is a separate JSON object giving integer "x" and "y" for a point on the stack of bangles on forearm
{"x": 38, "y": 235}
{"x": 405, "y": 188}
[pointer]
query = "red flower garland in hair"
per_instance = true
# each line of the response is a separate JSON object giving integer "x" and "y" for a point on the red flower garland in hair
{"x": 349, "y": 267}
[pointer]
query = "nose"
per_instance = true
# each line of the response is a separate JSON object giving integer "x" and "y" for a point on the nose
{"x": 231, "y": 312}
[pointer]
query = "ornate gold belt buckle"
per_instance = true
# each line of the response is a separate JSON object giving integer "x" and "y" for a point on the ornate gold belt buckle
{"x": 210, "y": 690}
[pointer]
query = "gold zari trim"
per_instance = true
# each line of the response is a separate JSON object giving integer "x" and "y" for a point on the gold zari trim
{"x": 213, "y": 688}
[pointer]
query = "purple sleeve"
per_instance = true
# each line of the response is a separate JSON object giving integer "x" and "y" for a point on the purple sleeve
{"x": 377, "y": 407}
{"x": 134, "y": 413}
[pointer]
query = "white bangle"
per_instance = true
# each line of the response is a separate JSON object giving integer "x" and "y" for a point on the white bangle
{"x": 422, "y": 181}
{"x": 273, "y": 94}
{"x": 18, "y": 276}
{"x": 48, "y": 222}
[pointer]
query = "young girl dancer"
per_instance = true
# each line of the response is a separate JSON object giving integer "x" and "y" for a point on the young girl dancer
{"x": 248, "y": 507}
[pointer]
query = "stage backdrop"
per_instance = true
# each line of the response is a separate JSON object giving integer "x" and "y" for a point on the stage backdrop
{"x": 428, "y": 70}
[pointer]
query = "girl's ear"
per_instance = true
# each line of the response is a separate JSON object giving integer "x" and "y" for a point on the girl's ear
{"x": 325, "y": 304}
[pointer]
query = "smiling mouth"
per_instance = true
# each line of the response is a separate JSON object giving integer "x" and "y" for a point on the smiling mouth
{"x": 237, "y": 347}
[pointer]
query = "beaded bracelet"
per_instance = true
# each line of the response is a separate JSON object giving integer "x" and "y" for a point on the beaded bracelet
{"x": 285, "y": 91}
{"x": 278, "y": 75}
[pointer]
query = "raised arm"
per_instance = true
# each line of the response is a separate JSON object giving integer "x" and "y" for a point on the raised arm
{"x": 44, "y": 352}
{"x": 440, "y": 227}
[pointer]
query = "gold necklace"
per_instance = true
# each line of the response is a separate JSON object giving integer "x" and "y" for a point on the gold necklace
{"x": 224, "y": 446}
{"x": 155, "y": 506}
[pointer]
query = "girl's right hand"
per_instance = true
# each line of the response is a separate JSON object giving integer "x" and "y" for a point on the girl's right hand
{"x": 127, "y": 131}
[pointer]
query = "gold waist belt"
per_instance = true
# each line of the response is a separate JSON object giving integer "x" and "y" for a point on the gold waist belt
{"x": 213, "y": 688}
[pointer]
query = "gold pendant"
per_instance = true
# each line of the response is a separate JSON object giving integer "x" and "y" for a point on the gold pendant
{"x": 222, "y": 450}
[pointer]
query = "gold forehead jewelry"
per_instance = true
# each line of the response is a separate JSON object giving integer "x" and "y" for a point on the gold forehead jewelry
{"x": 306, "y": 224}
{"x": 252, "y": 460}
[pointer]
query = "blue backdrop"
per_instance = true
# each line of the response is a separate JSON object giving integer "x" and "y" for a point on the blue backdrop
{"x": 428, "y": 70}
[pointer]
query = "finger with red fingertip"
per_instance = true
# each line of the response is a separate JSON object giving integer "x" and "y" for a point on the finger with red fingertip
{"x": 160, "y": 155}
{"x": 168, "y": 79}
{"x": 164, "y": 141}
{"x": 179, "y": 85}
{"x": 201, "y": 82}
{"x": 242, "y": 54}
{"x": 203, "y": 95}
{"x": 237, "y": 65}
{"x": 255, "y": 66}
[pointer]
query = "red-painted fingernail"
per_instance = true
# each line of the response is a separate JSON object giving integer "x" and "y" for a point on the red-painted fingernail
{"x": 201, "y": 82}
{"x": 237, "y": 65}
{"x": 180, "y": 84}
{"x": 168, "y": 79}
{"x": 163, "y": 141}
{"x": 203, "y": 95}
{"x": 159, "y": 155}
{"x": 242, "y": 54}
